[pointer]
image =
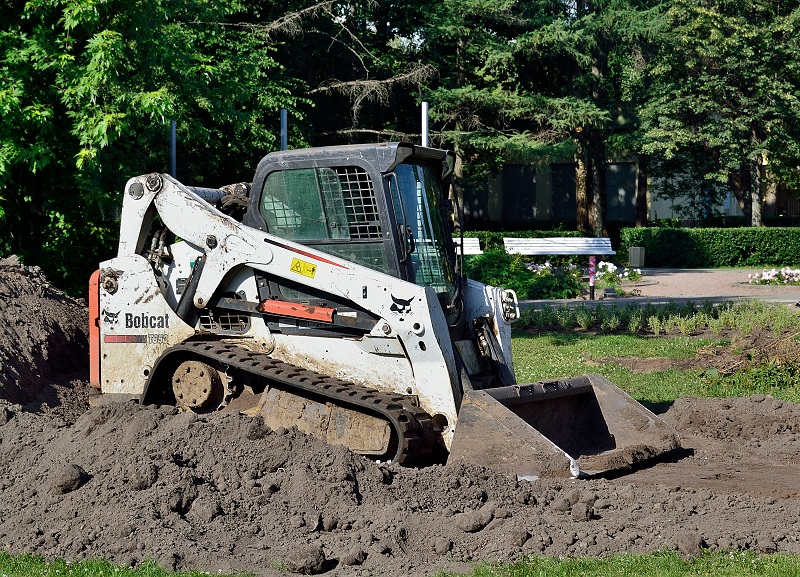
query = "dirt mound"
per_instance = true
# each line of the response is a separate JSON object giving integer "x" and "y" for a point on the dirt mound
{"x": 42, "y": 333}
{"x": 223, "y": 492}
{"x": 753, "y": 420}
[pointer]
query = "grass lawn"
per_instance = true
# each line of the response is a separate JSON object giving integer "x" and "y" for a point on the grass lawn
{"x": 670, "y": 564}
{"x": 551, "y": 355}
{"x": 667, "y": 564}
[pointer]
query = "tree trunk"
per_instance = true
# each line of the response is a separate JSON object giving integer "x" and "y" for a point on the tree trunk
{"x": 755, "y": 195}
{"x": 457, "y": 189}
{"x": 770, "y": 198}
{"x": 598, "y": 188}
{"x": 582, "y": 199}
{"x": 740, "y": 183}
{"x": 641, "y": 190}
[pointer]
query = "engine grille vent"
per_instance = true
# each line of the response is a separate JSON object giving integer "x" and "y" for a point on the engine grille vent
{"x": 224, "y": 322}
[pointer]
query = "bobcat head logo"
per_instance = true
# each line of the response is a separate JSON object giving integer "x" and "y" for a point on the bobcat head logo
{"x": 401, "y": 307}
{"x": 110, "y": 318}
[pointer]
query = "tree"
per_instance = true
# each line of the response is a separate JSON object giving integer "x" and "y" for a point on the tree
{"x": 87, "y": 91}
{"x": 726, "y": 79}
{"x": 589, "y": 55}
{"x": 363, "y": 77}
{"x": 477, "y": 106}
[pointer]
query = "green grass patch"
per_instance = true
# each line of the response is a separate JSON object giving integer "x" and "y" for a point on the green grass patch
{"x": 733, "y": 564}
{"x": 780, "y": 379}
{"x": 662, "y": 564}
{"x": 553, "y": 355}
{"x": 564, "y": 355}
{"x": 30, "y": 566}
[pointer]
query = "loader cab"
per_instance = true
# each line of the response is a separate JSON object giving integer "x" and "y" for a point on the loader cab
{"x": 383, "y": 206}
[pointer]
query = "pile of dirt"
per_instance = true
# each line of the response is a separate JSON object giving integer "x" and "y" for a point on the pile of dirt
{"x": 42, "y": 333}
{"x": 223, "y": 492}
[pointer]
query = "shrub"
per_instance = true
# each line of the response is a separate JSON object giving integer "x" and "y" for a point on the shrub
{"x": 636, "y": 321}
{"x": 714, "y": 247}
{"x": 528, "y": 280}
{"x": 609, "y": 275}
{"x": 551, "y": 282}
{"x": 655, "y": 325}
{"x": 688, "y": 319}
{"x": 584, "y": 316}
{"x": 498, "y": 268}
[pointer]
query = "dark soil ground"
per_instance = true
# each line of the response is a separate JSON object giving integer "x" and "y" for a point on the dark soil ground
{"x": 223, "y": 492}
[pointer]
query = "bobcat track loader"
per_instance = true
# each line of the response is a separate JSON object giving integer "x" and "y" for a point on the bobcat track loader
{"x": 327, "y": 295}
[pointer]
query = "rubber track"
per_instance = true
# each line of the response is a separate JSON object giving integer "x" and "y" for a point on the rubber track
{"x": 409, "y": 422}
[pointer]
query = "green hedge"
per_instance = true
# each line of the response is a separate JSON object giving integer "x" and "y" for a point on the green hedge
{"x": 713, "y": 247}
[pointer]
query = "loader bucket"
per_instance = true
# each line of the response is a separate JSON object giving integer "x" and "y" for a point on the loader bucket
{"x": 561, "y": 428}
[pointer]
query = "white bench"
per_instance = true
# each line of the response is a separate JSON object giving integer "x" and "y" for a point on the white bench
{"x": 472, "y": 245}
{"x": 559, "y": 245}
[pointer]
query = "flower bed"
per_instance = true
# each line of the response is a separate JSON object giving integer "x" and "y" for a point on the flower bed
{"x": 553, "y": 282}
{"x": 610, "y": 275}
{"x": 784, "y": 276}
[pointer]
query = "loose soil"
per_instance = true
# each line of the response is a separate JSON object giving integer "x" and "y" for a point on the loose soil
{"x": 223, "y": 492}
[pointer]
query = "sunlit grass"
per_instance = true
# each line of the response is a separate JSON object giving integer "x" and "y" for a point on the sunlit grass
{"x": 550, "y": 356}
{"x": 30, "y": 566}
{"x": 732, "y": 564}
{"x": 555, "y": 355}
{"x": 661, "y": 564}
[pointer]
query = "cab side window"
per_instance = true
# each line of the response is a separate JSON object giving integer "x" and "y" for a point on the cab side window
{"x": 331, "y": 209}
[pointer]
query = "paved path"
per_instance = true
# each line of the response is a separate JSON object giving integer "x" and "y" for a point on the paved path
{"x": 660, "y": 285}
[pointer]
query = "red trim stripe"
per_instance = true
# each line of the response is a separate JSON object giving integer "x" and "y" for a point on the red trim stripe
{"x": 297, "y": 310}
{"x": 307, "y": 254}
{"x": 125, "y": 339}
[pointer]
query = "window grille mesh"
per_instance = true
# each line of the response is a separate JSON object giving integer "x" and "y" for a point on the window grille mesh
{"x": 359, "y": 203}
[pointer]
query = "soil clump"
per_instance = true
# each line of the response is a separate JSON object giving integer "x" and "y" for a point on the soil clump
{"x": 223, "y": 492}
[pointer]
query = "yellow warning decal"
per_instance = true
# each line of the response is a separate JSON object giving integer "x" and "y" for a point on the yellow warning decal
{"x": 304, "y": 268}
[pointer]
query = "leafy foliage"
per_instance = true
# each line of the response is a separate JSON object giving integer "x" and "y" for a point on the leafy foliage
{"x": 498, "y": 268}
{"x": 87, "y": 94}
{"x": 529, "y": 281}
{"x": 784, "y": 276}
{"x": 687, "y": 319}
{"x": 714, "y": 247}
{"x": 705, "y": 91}
{"x": 724, "y": 87}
